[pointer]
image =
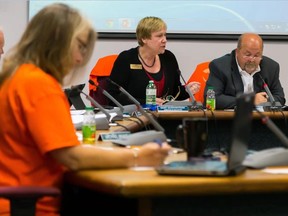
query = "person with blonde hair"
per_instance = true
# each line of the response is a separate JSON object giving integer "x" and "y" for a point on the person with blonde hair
{"x": 150, "y": 60}
{"x": 38, "y": 142}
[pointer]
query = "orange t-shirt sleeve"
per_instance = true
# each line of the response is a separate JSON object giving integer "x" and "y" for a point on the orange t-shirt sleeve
{"x": 44, "y": 109}
{"x": 51, "y": 124}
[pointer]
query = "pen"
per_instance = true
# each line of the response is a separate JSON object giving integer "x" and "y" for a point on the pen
{"x": 158, "y": 141}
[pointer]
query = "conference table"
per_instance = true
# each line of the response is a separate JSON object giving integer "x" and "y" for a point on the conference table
{"x": 141, "y": 191}
{"x": 217, "y": 114}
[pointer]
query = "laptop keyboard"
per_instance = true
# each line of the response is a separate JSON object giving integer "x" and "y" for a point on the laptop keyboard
{"x": 199, "y": 165}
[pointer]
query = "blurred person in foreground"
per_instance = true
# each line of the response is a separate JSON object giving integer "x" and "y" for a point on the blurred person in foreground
{"x": 245, "y": 69}
{"x": 149, "y": 61}
{"x": 2, "y": 42}
{"x": 38, "y": 142}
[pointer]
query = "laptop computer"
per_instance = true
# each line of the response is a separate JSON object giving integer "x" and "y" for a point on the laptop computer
{"x": 241, "y": 130}
{"x": 74, "y": 97}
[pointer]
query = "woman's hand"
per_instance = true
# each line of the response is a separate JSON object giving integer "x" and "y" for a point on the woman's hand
{"x": 152, "y": 154}
{"x": 194, "y": 87}
{"x": 160, "y": 101}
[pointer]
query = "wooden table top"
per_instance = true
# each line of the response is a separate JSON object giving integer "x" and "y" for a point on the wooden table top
{"x": 143, "y": 183}
{"x": 146, "y": 182}
{"x": 217, "y": 114}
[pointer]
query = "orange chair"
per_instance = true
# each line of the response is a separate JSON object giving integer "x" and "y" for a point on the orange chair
{"x": 98, "y": 75}
{"x": 200, "y": 74}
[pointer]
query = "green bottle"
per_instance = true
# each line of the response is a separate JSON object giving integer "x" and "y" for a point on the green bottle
{"x": 151, "y": 92}
{"x": 210, "y": 99}
{"x": 89, "y": 126}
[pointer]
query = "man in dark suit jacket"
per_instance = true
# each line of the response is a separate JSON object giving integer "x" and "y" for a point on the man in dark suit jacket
{"x": 245, "y": 69}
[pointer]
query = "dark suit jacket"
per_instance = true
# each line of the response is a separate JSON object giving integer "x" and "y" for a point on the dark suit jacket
{"x": 227, "y": 83}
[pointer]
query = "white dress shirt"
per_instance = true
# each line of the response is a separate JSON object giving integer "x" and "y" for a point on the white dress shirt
{"x": 247, "y": 78}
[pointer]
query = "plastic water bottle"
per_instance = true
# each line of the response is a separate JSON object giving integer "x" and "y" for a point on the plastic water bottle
{"x": 151, "y": 92}
{"x": 210, "y": 99}
{"x": 89, "y": 126}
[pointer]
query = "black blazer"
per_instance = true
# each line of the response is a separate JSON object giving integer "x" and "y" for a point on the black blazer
{"x": 227, "y": 83}
{"x": 128, "y": 72}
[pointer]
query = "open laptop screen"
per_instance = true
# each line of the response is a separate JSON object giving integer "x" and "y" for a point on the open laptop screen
{"x": 74, "y": 97}
{"x": 241, "y": 130}
{"x": 242, "y": 125}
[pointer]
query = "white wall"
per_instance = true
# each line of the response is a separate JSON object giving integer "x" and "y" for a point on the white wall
{"x": 13, "y": 19}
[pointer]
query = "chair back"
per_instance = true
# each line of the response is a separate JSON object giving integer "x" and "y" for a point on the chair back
{"x": 23, "y": 199}
{"x": 200, "y": 74}
{"x": 100, "y": 72}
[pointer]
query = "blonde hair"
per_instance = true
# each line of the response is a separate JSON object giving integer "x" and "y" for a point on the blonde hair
{"x": 147, "y": 26}
{"x": 47, "y": 42}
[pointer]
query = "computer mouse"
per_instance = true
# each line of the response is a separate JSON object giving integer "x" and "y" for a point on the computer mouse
{"x": 268, "y": 157}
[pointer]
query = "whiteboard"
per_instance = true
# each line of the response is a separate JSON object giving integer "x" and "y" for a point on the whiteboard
{"x": 183, "y": 17}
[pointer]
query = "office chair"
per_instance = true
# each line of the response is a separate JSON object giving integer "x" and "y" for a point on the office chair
{"x": 200, "y": 74}
{"x": 98, "y": 75}
{"x": 23, "y": 199}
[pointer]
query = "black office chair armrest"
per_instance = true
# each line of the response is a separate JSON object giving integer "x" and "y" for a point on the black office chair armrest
{"x": 23, "y": 198}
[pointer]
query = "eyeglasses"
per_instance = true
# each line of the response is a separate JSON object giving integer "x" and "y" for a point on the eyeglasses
{"x": 251, "y": 57}
{"x": 168, "y": 98}
{"x": 82, "y": 47}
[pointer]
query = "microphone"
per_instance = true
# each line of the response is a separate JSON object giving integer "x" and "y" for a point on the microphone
{"x": 272, "y": 101}
{"x": 139, "y": 138}
{"x": 265, "y": 86}
{"x": 136, "y": 102}
{"x": 103, "y": 123}
{"x": 277, "y": 156}
{"x": 270, "y": 124}
{"x": 195, "y": 104}
{"x": 124, "y": 109}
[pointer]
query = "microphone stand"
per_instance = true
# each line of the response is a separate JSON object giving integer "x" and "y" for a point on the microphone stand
{"x": 273, "y": 106}
{"x": 136, "y": 102}
{"x": 195, "y": 105}
{"x": 124, "y": 109}
{"x": 270, "y": 124}
{"x": 101, "y": 123}
{"x": 142, "y": 137}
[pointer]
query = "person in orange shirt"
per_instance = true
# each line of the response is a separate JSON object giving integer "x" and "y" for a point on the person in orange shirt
{"x": 2, "y": 42}
{"x": 37, "y": 138}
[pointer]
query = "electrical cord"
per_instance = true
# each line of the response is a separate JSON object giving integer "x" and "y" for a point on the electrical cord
{"x": 135, "y": 115}
{"x": 136, "y": 120}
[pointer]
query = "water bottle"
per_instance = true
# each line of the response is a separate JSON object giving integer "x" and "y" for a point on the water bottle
{"x": 89, "y": 126}
{"x": 151, "y": 92}
{"x": 210, "y": 99}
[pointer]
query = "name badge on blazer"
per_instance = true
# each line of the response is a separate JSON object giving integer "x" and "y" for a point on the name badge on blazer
{"x": 135, "y": 66}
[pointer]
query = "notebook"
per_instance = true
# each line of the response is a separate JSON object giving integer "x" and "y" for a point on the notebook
{"x": 241, "y": 130}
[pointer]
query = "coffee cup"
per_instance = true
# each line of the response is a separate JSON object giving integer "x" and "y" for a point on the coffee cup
{"x": 192, "y": 136}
